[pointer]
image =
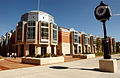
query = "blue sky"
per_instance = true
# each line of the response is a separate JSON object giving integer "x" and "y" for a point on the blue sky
{"x": 77, "y": 14}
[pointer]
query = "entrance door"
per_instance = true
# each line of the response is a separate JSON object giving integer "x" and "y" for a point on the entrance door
{"x": 86, "y": 49}
{"x": 32, "y": 50}
{"x": 52, "y": 49}
{"x": 94, "y": 49}
{"x": 75, "y": 49}
{"x": 79, "y": 49}
{"x": 16, "y": 49}
{"x": 22, "y": 50}
{"x": 43, "y": 50}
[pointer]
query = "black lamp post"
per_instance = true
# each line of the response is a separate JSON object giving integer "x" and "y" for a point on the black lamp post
{"x": 102, "y": 13}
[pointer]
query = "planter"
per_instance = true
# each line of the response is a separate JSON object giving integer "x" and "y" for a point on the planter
{"x": 1, "y": 59}
{"x": 42, "y": 61}
{"x": 84, "y": 56}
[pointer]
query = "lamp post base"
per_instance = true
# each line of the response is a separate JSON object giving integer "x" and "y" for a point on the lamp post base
{"x": 108, "y": 65}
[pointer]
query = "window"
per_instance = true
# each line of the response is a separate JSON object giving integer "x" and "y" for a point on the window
{"x": 44, "y": 33}
{"x": 76, "y": 40}
{"x": 79, "y": 40}
{"x": 86, "y": 39}
{"x": 19, "y": 34}
{"x": 2, "y": 41}
{"x": 19, "y": 31}
{"x": 6, "y": 40}
{"x": 31, "y": 23}
{"x": 94, "y": 42}
{"x": 44, "y": 24}
{"x": 44, "y": 30}
{"x": 20, "y": 24}
{"x": 31, "y": 30}
{"x": 54, "y": 32}
{"x": 33, "y": 17}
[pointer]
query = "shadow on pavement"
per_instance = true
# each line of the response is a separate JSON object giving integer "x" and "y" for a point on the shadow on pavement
{"x": 116, "y": 58}
{"x": 59, "y": 67}
{"x": 87, "y": 69}
{"x": 94, "y": 69}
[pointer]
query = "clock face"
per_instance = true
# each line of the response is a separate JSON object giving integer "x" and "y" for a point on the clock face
{"x": 101, "y": 10}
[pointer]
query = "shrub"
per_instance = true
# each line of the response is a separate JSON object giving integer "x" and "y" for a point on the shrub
{"x": 38, "y": 56}
{"x": 30, "y": 55}
{"x": 1, "y": 57}
{"x": 46, "y": 55}
{"x": 53, "y": 55}
{"x": 42, "y": 56}
{"x": 99, "y": 54}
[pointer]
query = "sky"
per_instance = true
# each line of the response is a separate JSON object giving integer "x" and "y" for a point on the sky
{"x": 77, "y": 14}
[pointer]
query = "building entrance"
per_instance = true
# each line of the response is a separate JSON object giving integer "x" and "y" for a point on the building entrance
{"x": 75, "y": 49}
{"x": 86, "y": 49}
{"x": 32, "y": 50}
{"x": 43, "y": 50}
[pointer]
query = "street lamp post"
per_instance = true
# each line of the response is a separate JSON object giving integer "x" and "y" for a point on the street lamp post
{"x": 103, "y": 13}
{"x": 107, "y": 54}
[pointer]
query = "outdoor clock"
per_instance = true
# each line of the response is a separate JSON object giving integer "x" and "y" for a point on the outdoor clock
{"x": 102, "y": 12}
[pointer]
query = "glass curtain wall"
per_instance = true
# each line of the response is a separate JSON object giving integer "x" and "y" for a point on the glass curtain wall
{"x": 76, "y": 37}
{"x": 31, "y": 30}
{"x": 86, "y": 39}
{"x": 44, "y": 31}
{"x": 94, "y": 42}
{"x": 54, "y": 32}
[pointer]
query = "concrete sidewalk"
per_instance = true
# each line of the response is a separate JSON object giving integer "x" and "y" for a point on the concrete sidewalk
{"x": 86, "y": 68}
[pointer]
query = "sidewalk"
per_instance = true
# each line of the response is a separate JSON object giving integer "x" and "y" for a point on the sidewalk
{"x": 11, "y": 63}
{"x": 86, "y": 68}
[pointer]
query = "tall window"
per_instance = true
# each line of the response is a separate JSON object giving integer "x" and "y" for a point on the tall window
{"x": 76, "y": 40}
{"x": 20, "y": 24}
{"x": 54, "y": 32}
{"x": 94, "y": 42}
{"x": 86, "y": 39}
{"x": 44, "y": 30}
{"x": 31, "y": 30}
{"x": 6, "y": 40}
{"x": 2, "y": 41}
{"x": 79, "y": 40}
{"x": 19, "y": 31}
